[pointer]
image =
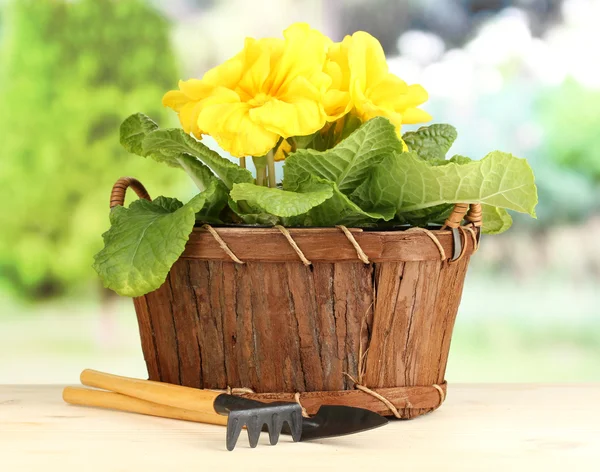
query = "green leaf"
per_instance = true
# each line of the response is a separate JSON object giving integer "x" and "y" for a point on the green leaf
{"x": 458, "y": 159}
{"x": 281, "y": 202}
{"x": 303, "y": 142}
{"x": 409, "y": 184}
{"x": 143, "y": 242}
{"x": 337, "y": 210}
{"x": 253, "y": 216}
{"x": 200, "y": 174}
{"x": 433, "y": 215}
{"x": 168, "y": 204}
{"x": 495, "y": 220}
{"x": 172, "y": 143}
{"x": 431, "y": 142}
{"x": 351, "y": 124}
{"x": 133, "y": 130}
{"x": 216, "y": 196}
{"x": 348, "y": 163}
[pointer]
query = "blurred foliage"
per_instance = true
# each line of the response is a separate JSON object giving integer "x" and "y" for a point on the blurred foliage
{"x": 69, "y": 73}
{"x": 567, "y": 162}
{"x": 569, "y": 115}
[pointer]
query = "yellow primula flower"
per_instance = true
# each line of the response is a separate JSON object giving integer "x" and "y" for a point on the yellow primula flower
{"x": 187, "y": 102}
{"x": 362, "y": 84}
{"x": 273, "y": 88}
{"x": 193, "y": 94}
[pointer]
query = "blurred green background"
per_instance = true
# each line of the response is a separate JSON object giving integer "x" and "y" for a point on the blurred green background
{"x": 520, "y": 76}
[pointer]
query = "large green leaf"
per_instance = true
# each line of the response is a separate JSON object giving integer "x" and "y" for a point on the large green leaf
{"x": 495, "y": 220}
{"x": 431, "y": 142}
{"x": 432, "y": 215}
{"x": 408, "y": 183}
{"x": 348, "y": 163}
{"x": 337, "y": 210}
{"x": 215, "y": 200}
{"x": 133, "y": 131}
{"x": 172, "y": 143}
{"x": 200, "y": 174}
{"x": 253, "y": 216}
{"x": 281, "y": 202}
{"x": 143, "y": 242}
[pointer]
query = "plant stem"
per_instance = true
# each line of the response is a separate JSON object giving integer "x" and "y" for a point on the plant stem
{"x": 260, "y": 164}
{"x": 243, "y": 162}
{"x": 261, "y": 176}
{"x": 195, "y": 178}
{"x": 271, "y": 167}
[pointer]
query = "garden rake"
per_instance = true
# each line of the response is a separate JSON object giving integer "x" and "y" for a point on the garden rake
{"x": 206, "y": 406}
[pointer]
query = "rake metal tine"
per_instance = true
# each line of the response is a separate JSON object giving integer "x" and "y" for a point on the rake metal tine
{"x": 254, "y": 426}
{"x": 295, "y": 423}
{"x": 234, "y": 428}
{"x": 274, "y": 426}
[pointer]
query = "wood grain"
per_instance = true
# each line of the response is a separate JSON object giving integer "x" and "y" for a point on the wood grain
{"x": 285, "y": 327}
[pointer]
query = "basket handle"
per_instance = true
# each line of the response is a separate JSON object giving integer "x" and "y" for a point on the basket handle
{"x": 472, "y": 213}
{"x": 117, "y": 195}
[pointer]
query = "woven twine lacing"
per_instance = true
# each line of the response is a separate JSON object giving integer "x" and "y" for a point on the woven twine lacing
{"x": 358, "y": 383}
{"x": 365, "y": 259}
{"x": 359, "y": 251}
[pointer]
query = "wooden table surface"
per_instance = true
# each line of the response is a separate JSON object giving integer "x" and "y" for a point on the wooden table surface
{"x": 509, "y": 427}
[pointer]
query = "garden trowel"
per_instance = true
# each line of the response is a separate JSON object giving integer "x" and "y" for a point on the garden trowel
{"x": 207, "y": 406}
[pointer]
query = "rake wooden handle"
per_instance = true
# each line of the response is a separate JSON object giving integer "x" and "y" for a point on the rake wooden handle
{"x": 156, "y": 392}
{"x": 117, "y": 401}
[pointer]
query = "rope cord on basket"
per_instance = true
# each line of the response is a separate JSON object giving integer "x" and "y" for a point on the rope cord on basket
{"x": 359, "y": 251}
{"x": 295, "y": 247}
{"x": 432, "y": 237}
{"x": 379, "y": 397}
{"x": 387, "y": 402}
{"x": 473, "y": 234}
{"x": 442, "y": 394}
{"x": 297, "y": 400}
{"x": 222, "y": 243}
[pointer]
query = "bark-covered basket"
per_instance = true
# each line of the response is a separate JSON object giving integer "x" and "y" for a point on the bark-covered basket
{"x": 318, "y": 315}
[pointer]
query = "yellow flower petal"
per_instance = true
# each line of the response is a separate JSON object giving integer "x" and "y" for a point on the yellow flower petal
{"x": 227, "y": 74}
{"x": 231, "y": 126}
{"x": 283, "y": 150}
{"x": 175, "y": 99}
{"x": 336, "y": 104}
{"x": 188, "y": 117}
{"x": 304, "y": 53}
{"x": 366, "y": 59}
{"x": 299, "y": 117}
{"x": 415, "y": 115}
{"x": 362, "y": 82}
{"x": 195, "y": 89}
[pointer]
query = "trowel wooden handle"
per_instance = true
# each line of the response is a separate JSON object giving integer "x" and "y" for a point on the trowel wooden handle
{"x": 156, "y": 392}
{"x": 117, "y": 401}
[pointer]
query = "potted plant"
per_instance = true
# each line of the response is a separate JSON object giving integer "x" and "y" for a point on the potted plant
{"x": 341, "y": 283}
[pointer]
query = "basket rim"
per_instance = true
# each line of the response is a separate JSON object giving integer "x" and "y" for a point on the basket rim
{"x": 323, "y": 244}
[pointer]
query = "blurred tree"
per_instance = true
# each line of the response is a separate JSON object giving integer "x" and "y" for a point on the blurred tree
{"x": 70, "y": 71}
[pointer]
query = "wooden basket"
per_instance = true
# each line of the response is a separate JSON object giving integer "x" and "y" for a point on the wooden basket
{"x": 315, "y": 315}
